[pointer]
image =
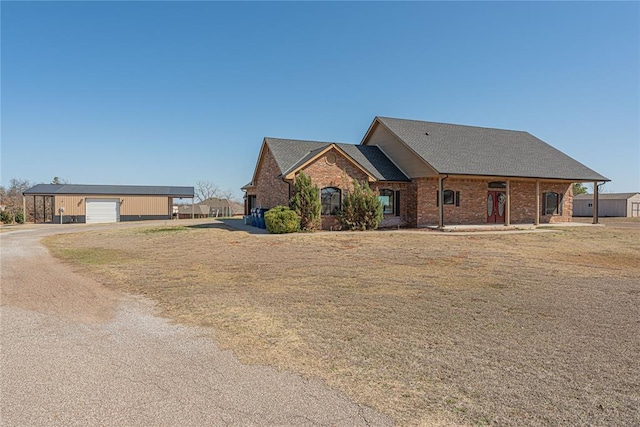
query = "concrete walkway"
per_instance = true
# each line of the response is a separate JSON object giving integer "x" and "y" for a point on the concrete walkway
{"x": 239, "y": 225}
{"x": 73, "y": 353}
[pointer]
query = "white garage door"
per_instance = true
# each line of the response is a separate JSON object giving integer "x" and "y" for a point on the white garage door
{"x": 103, "y": 210}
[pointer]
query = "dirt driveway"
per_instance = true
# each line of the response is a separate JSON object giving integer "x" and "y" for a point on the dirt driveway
{"x": 76, "y": 353}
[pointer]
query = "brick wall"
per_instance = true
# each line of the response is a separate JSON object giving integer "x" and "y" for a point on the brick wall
{"x": 566, "y": 191}
{"x": 473, "y": 201}
{"x": 417, "y": 198}
{"x": 391, "y": 220}
{"x": 270, "y": 190}
{"x": 339, "y": 174}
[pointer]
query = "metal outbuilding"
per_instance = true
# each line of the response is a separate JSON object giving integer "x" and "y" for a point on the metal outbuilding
{"x": 64, "y": 203}
{"x": 610, "y": 204}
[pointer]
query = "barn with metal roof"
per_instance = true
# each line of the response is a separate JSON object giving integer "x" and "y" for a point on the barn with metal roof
{"x": 64, "y": 203}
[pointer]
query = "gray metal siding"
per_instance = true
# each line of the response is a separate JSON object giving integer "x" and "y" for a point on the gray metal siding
{"x": 611, "y": 207}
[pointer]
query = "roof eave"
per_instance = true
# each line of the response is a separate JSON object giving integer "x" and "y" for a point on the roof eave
{"x": 290, "y": 174}
{"x": 377, "y": 120}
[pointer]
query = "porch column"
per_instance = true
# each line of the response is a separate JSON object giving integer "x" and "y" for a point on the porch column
{"x": 24, "y": 208}
{"x": 536, "y": 221}
{"x": 507, "y": 214}
{"x": 193, "y": 213}
{"x": 595, "y": 202}
{"x": 441, "y": 202}
{"x": 34, "y": 209}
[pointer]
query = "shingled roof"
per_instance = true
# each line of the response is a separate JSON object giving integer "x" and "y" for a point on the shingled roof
{"x": 115, "y": 190}
{"x": 468, "y": 150}
{"x": 290, "y": 154}
{"x": 605, "y": 196}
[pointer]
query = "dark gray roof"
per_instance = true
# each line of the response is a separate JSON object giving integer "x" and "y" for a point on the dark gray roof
{"x": 289, "y": 154}
{"x": 468, "y": 150}
{"x": 606, "y": 196}
{"x": 113, "y": 190}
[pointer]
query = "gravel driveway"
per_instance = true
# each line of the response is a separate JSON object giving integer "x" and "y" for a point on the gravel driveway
{"x": 75, "y": 353}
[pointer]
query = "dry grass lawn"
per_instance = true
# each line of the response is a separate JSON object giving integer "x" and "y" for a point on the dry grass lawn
{"x": 430, "y": 328}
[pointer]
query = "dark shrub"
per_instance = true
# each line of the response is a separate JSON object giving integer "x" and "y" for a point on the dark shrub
{"x": 306, "y": 202}
{"x": 361, "y": 209}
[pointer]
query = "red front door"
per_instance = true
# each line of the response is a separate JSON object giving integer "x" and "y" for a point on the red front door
{"x": 496, "y": 201}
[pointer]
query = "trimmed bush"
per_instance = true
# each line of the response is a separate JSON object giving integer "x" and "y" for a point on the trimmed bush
{"x": 361, "y": 208}
{"x": 281, "y": 220}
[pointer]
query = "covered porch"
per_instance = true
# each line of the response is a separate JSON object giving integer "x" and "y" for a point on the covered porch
{"x": 493, "y": 201}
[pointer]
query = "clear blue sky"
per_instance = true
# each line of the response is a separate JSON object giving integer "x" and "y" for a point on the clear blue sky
{"x": 170, "y": 93}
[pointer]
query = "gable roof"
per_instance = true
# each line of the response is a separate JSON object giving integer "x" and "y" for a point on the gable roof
{"x": 469, "y": 150}
{"x": 290, "y": 154}
{"x": 113, "y": 190}
{"x": 606, "y": 196}
{"x": 218, "y": 203}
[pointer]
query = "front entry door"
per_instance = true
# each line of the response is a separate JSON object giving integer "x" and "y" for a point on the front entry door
{"x": 496, "y": 201}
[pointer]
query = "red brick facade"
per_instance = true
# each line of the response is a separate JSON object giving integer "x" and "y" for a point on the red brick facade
{"x": 417, "y": 199}
{"x": 473, "y": 193}
{"x": 270, "y": 190}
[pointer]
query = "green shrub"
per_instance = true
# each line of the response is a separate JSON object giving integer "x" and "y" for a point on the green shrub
{"x": 306, "y": 202}
{"x": 6, "y": 217}
{"x": 281, "y": 220}
{"x": 20, "y": 216}
{"x": 361, "y": 209}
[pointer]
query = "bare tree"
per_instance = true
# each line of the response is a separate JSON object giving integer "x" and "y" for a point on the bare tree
{"x": 11, "y": 198}
{"x": 226, "y": 194}
{"x": 205, "y": 190}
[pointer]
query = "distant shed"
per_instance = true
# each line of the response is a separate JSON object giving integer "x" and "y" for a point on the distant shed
{"x": 106, "y": 203}
{"x": 609, "y": 204}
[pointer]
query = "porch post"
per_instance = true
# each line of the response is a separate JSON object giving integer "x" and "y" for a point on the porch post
{"x": 24, "y": 208}
{"x": 193, "y": 213}
{"x": 34, "y": 210}
{"x": 595, "y": 202}
{"x": 536, "y": 221}
{"x": 507, "y": 216}
{"x": 441, "y": 202}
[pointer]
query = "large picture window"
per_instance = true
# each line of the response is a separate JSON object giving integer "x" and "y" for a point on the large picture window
{"x": 387, "y": 200}
{"x": 330, "y": 198}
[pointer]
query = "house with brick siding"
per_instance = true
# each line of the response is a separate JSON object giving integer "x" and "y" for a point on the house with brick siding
{"x": 428, "y": 174}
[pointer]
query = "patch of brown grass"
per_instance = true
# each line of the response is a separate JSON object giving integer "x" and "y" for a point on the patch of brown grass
{"x": 513, "y": 329}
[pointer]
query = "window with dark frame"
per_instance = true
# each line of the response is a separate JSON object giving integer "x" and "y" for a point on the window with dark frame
{"x": 251, "y": 202}
{"x": 330, "y": 198}
{"x": 551, "y": 204}
{"x": 387, "y": 200}
{"x": 450, "y": 197}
